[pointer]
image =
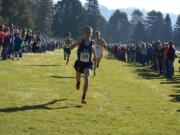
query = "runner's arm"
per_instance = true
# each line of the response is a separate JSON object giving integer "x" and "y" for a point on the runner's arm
{"x": 75, "y": 44}
{"x": 94, "y": 53}
{"x": 64, "y": 42}
{"x": 103, "y": 43}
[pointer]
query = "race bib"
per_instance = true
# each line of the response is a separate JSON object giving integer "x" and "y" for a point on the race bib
{"x": 84, "y": 57}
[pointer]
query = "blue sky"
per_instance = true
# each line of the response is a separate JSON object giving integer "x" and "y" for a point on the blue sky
{"x": 170, "y": 6}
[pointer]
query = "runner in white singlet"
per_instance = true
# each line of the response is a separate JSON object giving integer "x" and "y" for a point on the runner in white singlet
{"x": 100, "y": 45}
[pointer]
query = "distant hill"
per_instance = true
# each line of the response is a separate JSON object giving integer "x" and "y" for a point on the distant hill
{"x": 108, "y": 12}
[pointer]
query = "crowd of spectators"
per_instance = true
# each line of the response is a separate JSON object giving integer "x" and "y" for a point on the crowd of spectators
{"x": 15, "y": 41}
{"x": 158, "y": 56}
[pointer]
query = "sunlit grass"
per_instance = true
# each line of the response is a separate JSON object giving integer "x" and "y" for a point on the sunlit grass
{"x": 38, "y": 97}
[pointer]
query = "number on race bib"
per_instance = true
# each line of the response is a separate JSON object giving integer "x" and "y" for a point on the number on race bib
{"x": 84, "y": 57}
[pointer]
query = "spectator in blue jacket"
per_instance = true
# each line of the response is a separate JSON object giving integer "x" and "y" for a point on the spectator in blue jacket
{"x": 17, "y": 45}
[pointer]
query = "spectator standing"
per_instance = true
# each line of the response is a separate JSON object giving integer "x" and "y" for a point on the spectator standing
{"x": 171, "y": 58}
{"x": 17, "y": 45}
{"x": 6, "y": 44}
{"x": 1, "y": 36}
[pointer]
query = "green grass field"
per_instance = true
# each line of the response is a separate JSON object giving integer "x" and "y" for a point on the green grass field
{"x": 38, "y": 97}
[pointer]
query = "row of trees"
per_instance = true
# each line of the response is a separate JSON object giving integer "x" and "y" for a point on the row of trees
{"x": 34, "y": 14}
{"x": 71, "y": 16}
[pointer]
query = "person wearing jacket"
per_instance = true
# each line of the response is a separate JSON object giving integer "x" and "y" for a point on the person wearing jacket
{"x": 6, "y": 44}
{"x": 1, "y": 36}
{"x": 171, "y": 57}
{"x": 17, "y": 45}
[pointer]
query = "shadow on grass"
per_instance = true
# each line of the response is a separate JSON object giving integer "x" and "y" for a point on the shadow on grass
{"x": 175, "y": 80}
{"x": 55, "y": 65}
{"x": 178, "y": 110}
{"x": 38, "y": 107}
{"x": 147, "y": 73}
{"x": 170, "y": 82}
{"x": 62, "y": 77}
{"x": 175, "y": 98}
{"x": 177, "y": 86}
{"x": 176, "y": 90}
{"x": 144, "y": 71}
{"x": 133, "y": 65}
{"x": 110, "y": 56}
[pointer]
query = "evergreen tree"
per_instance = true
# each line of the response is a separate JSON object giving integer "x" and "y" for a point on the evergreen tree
{"x": 118, "y": 28}
{"x": 103, "y": 24}
{"x": 1, "y": 19}
{"x": 168, "y": 28}
{"x": 69, "y": 17}
{"x": 44, "y": 16}
{"x": 17, "y": 12}
{"x": 139, "y": 33}
{"x": 24, "y": 17}
{"x": 155, "y": 25}
{"x": 92, "y": 13}
{"x": 0, "y": 5}
{"x": 177, "y": 32}
{"x": 137, "y": 26}
{"x": 34, "y": 7}
{"x": 136, "y": 17}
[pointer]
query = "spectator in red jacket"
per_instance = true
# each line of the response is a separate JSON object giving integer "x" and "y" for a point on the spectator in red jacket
{"x": 6, "y": 44}
{"x": 1, "y": 35}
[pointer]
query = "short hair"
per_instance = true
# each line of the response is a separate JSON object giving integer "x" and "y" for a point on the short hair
{"x": 68, "y": 34}
{"x": 87, "y": 28}
{"x": 97, "y": 32}
{"x": 171, "y": 43}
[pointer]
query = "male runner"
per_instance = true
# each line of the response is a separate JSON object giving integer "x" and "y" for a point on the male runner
{"x": 67, "y": 50}
{"x": 100, "y": 44}
{"x": 84, "y": 64}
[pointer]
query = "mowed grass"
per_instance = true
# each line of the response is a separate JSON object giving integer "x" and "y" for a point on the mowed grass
{"x": 38, "y": 97}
